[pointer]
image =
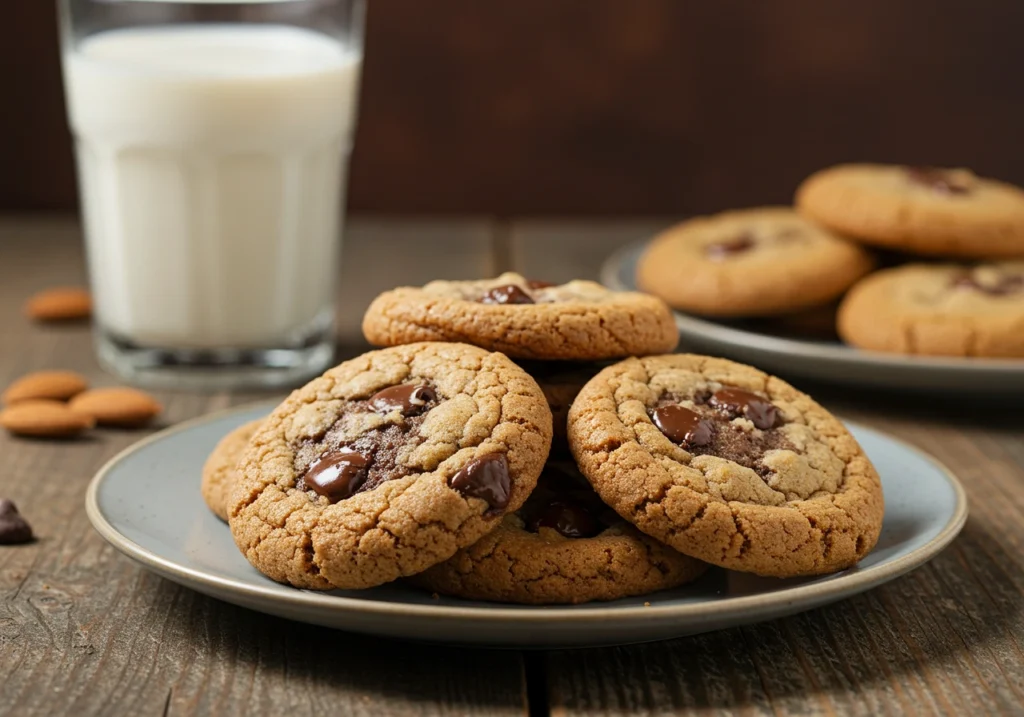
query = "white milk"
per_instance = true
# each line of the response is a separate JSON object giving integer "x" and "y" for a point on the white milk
{"x": 211, "y": 165}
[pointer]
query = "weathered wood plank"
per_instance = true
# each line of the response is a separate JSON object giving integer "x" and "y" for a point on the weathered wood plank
{"x": 83, "y": 629}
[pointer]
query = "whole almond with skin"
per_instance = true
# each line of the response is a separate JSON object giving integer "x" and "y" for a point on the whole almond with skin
{"x": 121, "y": 406}
{"x": 54, "y": 385}
{"x": 65, "y": 303}
{"x": 44, "y": 419}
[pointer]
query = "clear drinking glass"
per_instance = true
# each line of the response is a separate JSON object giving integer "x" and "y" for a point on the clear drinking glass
{"x": 212, "y": 140}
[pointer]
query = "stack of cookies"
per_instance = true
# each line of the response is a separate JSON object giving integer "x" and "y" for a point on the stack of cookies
{"x": 952, "y": 244}
{"x": 522, "y": 442}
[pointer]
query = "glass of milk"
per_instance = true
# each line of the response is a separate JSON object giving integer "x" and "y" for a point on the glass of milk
{"x": 212, "y": 140}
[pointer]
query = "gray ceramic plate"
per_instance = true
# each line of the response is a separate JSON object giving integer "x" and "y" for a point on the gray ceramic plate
{"x": 825, "y": 360}
{"x": 146, "y": 502}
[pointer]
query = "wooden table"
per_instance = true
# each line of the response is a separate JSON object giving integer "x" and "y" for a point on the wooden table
{"x": 85, "y": 631}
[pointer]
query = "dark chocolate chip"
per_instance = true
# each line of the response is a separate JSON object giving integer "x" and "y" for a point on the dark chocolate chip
{"x": 13, "y": 528}
{"x": 682, "y": 426}
{"x": 939, "y": 180}
{"x": 535, "y": 284}
{"x": 508, "y": 294}
{"x": 737, "y": 402}
{"x": 337, "y": 475}
{"x": 569, "y": 518}
{"x": 408, "y": 398}
{"x": 729, "y": 247}
{"x": 487, "y": 478}
{"x": 1005, "y": 284}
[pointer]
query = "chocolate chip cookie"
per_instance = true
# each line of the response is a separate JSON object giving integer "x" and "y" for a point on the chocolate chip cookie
{"x": 221, "y": 466}
{"x": 923, "y": 210}
{"x": 388, "y": 464}
{"x": 939, "y": 309}
{"x": 727, "y": 464}
{"x": 580, "y": 320}
{"x": 563, "y": 546}
{"x": 750, "y": 262}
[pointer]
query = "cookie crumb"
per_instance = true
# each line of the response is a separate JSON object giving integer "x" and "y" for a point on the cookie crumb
{"x": 647, "y": 604}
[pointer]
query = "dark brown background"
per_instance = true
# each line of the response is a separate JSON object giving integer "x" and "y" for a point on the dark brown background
{"x": 614, "y": 106}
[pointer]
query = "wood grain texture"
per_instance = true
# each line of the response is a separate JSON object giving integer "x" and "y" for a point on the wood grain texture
{"x": 83, "y": 630}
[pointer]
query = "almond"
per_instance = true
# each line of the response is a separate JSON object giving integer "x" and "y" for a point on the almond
{"x": 66, "y": 303}
{"x": 54, "y": 385}
{"x": 125, "y": 407}
{"x": 44, "y": 419}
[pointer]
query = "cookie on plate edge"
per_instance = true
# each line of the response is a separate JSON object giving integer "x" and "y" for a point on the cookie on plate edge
{"x": 921, "y": 210}
{"x": 938, "y": 310}
{"x": 727, "y": 464}
{"x": 221, "y": 467}
{"x": 756, "y": 262}
{"x": 387, "y": 464}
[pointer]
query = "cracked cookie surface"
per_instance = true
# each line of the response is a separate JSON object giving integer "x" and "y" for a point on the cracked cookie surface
{"x": 727, "y": 464}
{"x": 751, "y": 262}
{"x": 580, "y": 320}
{"x": 939, "y": 309}
{"x": 387, "y": 464}
{"x": 221, "y": 467}
{"x": 923, "y": 210}
{"x": 563, "y": 546}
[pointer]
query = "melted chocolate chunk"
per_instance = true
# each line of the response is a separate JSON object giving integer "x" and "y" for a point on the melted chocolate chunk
{"x": 13, "y": 528}
{"x": 733, "y": 443}
{"x": 569, "y": 518}
{"x": 725, "y": 249}
{"x": 938, "y": 180}
{"x": 736, "y": 402}
{"x": 535, "y": 284}
{"x": 508, "y": 294}
{"x": 743, "y": 447}
{"x": 336, "y": 475}
{"x": 487, "y": 478}
{"x": 381, "y": 446}
{"x": 1005, "y": 284}
{"x": 682, "y": 426}
{"x": 408, "y": 398}
{"x": 564, "y": 501}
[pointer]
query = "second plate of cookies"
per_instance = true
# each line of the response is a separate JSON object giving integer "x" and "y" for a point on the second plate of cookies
{"x": 805, "y": 345}
{"x": 879, "y": 275}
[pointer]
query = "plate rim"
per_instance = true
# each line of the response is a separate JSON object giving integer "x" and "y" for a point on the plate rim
{"x": 808, "y": 594}
{"x": 778, "y": 345}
